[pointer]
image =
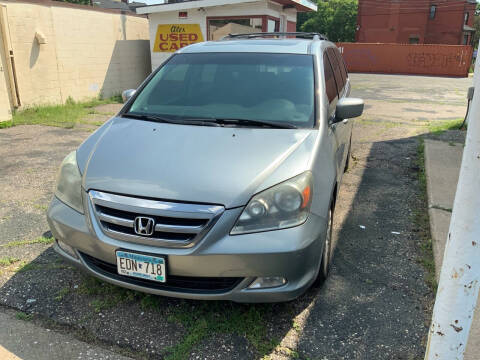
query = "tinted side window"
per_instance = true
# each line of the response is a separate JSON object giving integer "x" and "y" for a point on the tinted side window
{"x": 343, "y": 68}
{"x": 330, "y": 84}
{"x": 336, "y": 70}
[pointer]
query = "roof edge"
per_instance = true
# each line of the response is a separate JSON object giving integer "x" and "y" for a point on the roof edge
{"x": 194, "y": 4}
{"x": 51, "y": 3}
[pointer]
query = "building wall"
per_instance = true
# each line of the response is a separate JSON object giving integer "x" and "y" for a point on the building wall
{"x": 5, "y": 94}
{"x": 447, "y": 25}
{"x": 86, "y": 53}
{"x": 393, "y": 21}
{"x": 199, "y": 16}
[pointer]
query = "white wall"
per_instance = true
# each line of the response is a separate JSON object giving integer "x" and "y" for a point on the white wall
{"x": 199, "y": 16}
{"x": 86, "y": 53}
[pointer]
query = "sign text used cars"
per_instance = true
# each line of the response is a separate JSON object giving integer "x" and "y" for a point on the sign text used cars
{"x": 171, "y": 37}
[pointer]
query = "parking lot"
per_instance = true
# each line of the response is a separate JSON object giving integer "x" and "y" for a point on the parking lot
{"x": 375, "y": 305}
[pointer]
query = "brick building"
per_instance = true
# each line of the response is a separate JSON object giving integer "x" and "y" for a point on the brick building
{"x": 416, "y": 21}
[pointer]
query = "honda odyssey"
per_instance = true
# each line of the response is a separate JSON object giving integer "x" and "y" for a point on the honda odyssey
{"x": 218, "y": 178}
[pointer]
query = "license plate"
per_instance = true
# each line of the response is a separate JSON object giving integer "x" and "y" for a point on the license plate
{"x": 141, "y": 266}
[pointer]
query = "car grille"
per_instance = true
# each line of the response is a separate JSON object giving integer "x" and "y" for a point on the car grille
{"x": 191, "y": 284}
{"x": 175, "y": 224}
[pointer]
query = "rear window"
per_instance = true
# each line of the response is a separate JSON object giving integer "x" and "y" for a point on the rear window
{"x": 252, "y": 86}
{"x": 343, "y": 68}
{"x": 330, "y": 84}
{"x": 340, "y": 80}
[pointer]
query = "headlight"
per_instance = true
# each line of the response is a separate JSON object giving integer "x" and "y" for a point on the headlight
{"x": 69, "y": 183}
{"x": 282, "y": 206}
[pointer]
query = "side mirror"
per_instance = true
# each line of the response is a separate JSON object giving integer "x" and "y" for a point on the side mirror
{"x": 127, "y": 94}
{"x": 348, "y": 108}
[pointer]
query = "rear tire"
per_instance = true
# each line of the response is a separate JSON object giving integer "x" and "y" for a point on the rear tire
{"x": 349, "y": 155}
{"x": 326, "y": 261}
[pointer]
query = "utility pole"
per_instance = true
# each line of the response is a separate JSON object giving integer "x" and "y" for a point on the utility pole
{"x": 460, "y": 275}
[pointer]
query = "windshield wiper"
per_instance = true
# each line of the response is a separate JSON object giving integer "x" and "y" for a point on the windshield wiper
{"x": 247, "y": 122}
{"x": 149, "y": 117}
{"x": 210, "y": 121}
{"x": 163, "y": 119}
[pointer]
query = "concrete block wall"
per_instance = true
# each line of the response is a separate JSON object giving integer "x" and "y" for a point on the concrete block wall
{"x": 87, "y": 53}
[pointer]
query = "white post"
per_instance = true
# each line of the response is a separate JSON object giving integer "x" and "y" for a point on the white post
{"x": 460, "y": 275}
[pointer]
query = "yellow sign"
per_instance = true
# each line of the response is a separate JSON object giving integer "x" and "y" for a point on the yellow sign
{"x": 171, "y": 37}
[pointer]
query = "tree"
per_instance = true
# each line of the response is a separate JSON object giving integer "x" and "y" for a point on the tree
{"x": 337, "y": 19}
{"x": 476, "y": 35}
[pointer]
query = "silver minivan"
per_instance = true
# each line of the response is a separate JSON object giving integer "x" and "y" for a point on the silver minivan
{"x": 218, "y": 178}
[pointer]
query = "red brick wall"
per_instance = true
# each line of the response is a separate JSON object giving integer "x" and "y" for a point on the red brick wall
{"x": 393, "y": 21}
{"x": 443, "y": 60}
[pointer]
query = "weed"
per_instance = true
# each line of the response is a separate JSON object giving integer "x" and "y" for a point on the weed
{"x": 6, "y": 124}
{"x": 209, "y": 318}
{"x": 41, "y": 207}
{"x": 384, "y": 123}
{"x": 152, "y": 302}
{"x": 26, "y": 266}
{"x": 108, "y": 295}
{"x": 296, "y": 326}
{"x": 5, "y": 261}
{"x": 439, "y": 127}
{"x": 62, "y": 293}
{"x": 422, "y": 222}
{"x": 8, "y": 260}
{"x": 20, "y": 315}
{"x": 39, "y": 240}
{"x": 66, "y": 115}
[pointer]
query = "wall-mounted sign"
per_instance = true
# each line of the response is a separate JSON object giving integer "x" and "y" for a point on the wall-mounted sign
{"x": 171, "y": 37}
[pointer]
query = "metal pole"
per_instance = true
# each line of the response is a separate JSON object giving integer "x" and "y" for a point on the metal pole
{"x": 460, "y": 275}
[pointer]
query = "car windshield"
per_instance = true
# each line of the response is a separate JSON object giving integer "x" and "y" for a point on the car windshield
{"x": 251, "y": 87}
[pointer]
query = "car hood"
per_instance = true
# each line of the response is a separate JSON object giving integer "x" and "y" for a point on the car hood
{"x": 216, "y": 165}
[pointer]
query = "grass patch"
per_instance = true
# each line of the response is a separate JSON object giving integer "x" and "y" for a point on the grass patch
{"x": 422, "y": 221}
{"x": 41, "y": 207}
{"x": 39, "y": 240}
{"x": 65, "y": 116}
{"x": 213, "y": 318}
{"x": 207, "y": 319}
{"x": 107, "y": 295}
{"x": 151, "y": 302}
{"x": 20, "y": 315}
{"x": 5, "y": 261}
{"x": 383, "y": 123}
{"x": 62, "y": 293}
{"x": 26, "y": 266}
{"x": 439, "y": 127}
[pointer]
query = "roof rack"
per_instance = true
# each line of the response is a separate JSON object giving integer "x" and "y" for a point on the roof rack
{"x": 302, "y": 35}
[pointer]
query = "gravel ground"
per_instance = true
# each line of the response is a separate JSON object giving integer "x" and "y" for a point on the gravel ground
{"x": 375, "y": 305}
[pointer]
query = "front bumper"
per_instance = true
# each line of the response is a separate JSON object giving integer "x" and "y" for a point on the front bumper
{"x": 293, "y": 253}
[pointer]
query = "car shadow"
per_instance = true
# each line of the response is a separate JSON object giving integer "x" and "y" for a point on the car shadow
{"x": 376, "y": 302}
